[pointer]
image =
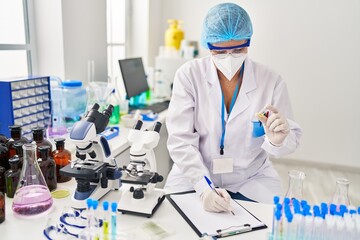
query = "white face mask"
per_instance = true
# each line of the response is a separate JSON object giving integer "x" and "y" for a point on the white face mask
{"x": 229, "y": 65}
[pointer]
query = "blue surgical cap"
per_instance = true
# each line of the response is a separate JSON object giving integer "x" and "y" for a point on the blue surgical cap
{"x": 225, "y": 22}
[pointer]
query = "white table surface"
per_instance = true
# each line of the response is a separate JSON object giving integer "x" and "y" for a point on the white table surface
{"x": 166, "y": 216}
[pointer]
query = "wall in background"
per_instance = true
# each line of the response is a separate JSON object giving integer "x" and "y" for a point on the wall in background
{"x": 49, "y": 38}
{"x": 69, "y": 34}
{"x": 314, "y": 45}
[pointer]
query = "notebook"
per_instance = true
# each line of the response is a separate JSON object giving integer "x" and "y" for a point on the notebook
{"x": 223, "y": 224}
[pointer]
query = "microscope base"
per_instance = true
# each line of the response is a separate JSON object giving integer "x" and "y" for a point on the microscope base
{"x": 142, "y": 207}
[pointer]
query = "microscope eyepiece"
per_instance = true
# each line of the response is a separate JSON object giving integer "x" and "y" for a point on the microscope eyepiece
{"x": 157, "y": 127}
{"x": 138, "y": 125}
{"x": 108, "y": 111}
{"x": 96, "y": 107}
{"x": 100, "y": 120}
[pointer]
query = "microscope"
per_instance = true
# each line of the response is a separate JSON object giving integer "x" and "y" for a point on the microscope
{"x": 142, "y": 198}
{"x": 94, "y": 169}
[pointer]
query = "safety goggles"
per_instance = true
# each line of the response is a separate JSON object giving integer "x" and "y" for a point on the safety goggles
{"x": 235, "y": 51}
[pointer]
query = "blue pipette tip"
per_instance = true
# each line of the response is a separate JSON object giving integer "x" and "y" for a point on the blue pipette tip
{"x": 352, "y": 211}
{"x": 303, "y": 203}
{"x": 276, "y": 199}
{"x": 113, "y": 207}
{"x": 89, "y": 202}
{"x": 358, "y": 210}
{"x": 343, "y": 208}
{"x": 106, "y": 205}
{"x": 95, "y": 204}
{"x": 324, "y": 206}
{"x": 287, "y": 201}
{"x": 278, "y": 215}
{"x": 279, "y": 206}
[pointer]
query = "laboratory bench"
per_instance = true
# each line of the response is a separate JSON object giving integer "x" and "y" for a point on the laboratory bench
{"x": 166, "y": 215}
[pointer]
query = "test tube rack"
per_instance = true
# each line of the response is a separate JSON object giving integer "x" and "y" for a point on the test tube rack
{"x": 25, "y": 102}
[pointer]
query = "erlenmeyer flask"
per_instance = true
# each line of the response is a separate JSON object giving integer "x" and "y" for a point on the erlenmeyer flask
{"x": 32, "y": 196}
{"x": 341, "y": 195}
{"x": 295, "y": 188}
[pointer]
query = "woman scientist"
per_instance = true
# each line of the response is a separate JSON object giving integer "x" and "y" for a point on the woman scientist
{"x": 210, "y": 118}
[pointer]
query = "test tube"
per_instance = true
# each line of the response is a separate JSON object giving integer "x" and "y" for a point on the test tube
{"x": 105, "y": 218}
{"x": 95, "y": 223}
{"x": 90, "y": 213}
{"x": 277, "y": 226}
{"x": 113, "y": 218}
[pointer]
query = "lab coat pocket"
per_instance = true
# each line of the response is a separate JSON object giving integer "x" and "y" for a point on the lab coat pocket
{"x": 257, "y": 129}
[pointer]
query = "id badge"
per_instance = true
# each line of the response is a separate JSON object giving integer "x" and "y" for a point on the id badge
{"x": 223, "y": 165}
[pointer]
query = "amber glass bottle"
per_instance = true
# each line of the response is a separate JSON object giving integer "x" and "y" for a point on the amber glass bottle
{"x": 4, "y": 156}
{"x": 12, "y": 176}
{"x": 48, "y": 167}
{"x": 2, "y": 207}
{"x": 62, "y": 158}
{"x": 19, "y": 153}
{"x": 2, "y": 179}
{"x": 38, "y": 137}
{"x": 15, "y": 132}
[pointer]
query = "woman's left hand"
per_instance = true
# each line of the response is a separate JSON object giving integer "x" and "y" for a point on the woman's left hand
{"x": 276, "y": 126}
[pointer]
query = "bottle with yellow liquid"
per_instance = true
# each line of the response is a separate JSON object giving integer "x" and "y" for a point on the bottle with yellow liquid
{"x": 174, "y": 34}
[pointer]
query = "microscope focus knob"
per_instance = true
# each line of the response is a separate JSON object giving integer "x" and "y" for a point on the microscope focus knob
{"x": 138, "y": 193}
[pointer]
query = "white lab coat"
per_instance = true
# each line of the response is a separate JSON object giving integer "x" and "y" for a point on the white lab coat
{"x": 194, "y": 127}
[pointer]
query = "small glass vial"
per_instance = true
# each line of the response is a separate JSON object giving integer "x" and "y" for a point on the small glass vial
{"x": 2, "y": 179}
{"x": 19, "y": 153}
{"x": 295, "y": 188}
{"x": 12, "y": 176}
{"x": 48, "y": 167}
{"x": 2, "y": 207}
{"x": 62, "y": 158}
{"x": 32, "y": 196}
{"x": 4, "y": 156}
{"x": 341, "y": 194}
{"x": 38, "y": 137}
{"x": 15, "y": 132}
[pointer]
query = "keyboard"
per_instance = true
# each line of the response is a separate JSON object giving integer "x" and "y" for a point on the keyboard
{"x": 156, "y": 107}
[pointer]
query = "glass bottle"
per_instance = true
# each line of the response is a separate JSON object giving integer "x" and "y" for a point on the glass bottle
{"x": 38, "y": 137}
{"x": 32, "y": 196}
{"x": 4, "y": 156}
{"x": 48, "y": 167}
{"x": 2, "y": 207}
{"x": 114, "y": 100}
{"x": 341, "y": 194}
{"x": 19, "y": 153}
{"x": 62, "y": 158}
{"x": 15, "y": 132}
{"x": 12, "y": 176}
{"x": 3, "y": 138}
{"x": 295, "y": 188}
{"x": 2, "y": 179}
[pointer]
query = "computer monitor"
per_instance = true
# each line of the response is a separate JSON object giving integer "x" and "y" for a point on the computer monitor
{"x": 133, "y": 74}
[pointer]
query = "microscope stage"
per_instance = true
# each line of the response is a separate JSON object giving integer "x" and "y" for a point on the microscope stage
{"x": 139, "y": 180}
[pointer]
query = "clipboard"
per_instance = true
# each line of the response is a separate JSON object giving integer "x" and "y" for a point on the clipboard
{"x": 219, "y": 225}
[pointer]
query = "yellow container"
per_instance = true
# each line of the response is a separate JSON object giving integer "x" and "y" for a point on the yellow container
{"x": 174, "y": 34}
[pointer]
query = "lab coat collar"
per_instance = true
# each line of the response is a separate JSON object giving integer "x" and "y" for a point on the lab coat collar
{"x": 248, "y": 84}
{"x": 242, "y": 102}
{"x": 213, "y": 86}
